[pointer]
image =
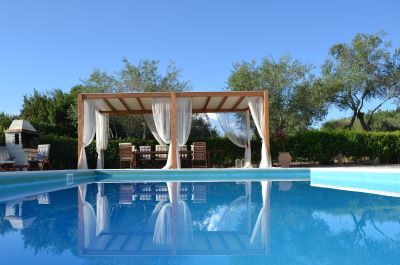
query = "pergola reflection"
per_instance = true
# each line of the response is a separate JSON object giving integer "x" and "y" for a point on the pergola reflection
{"x": 170, "y": 231}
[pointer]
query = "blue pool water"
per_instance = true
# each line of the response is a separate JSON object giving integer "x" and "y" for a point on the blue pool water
{"x": 234, "y": 217}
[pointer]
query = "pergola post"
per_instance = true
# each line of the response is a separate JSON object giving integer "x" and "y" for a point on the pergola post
{"x": 80, "y": 123}
{"x": 266, "y": 125}
{"x": 174, "y": 165}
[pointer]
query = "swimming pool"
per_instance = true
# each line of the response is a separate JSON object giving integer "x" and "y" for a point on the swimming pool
{"x": 275, "y": 216}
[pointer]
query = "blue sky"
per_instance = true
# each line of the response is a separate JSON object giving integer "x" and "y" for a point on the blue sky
{"x": 55, "y": 44}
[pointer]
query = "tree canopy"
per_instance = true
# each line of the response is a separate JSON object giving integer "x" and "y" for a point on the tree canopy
{"x": 296, "y": 98}
{"x": 55, "y": 111}
{"x": 383, "y": 121}
{"x": 360, "y": 72}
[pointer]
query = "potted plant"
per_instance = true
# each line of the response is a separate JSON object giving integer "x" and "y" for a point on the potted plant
{"x": 284, "y": 157}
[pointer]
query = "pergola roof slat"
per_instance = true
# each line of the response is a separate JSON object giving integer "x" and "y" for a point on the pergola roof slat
{"x": 140, "y": 103}
{"x": 125, "y": 104}
{"x": 222, "y": 102}
{"x": 109, "y": 105}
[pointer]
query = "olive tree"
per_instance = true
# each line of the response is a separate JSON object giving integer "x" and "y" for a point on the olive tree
{"x": 296, "y": 96}
{"x": 360, "y": 72}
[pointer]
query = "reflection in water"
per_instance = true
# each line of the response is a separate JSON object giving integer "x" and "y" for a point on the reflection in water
{"x": 102, "y": 210}
{"x": 231, "y": 216}
{"x": 260, "y": 234}
{"x": 301, "y": 224}
{"x": 19, "y": 217}
{"x": 174, "y": 219}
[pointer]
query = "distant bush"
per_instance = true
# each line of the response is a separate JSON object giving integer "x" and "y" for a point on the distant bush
{"x": 323, "y": 146}
{"x": 309, "y": 146}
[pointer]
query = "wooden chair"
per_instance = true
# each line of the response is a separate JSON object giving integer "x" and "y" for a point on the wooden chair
{"x": 199, "y": 155}
{"x": 7, "y": 163}
{"x": 126, "y": 191}
{"x": 42, "y": 158}
{"x": 163, "y": 148}
{"x": 145, "y": 148}
{"x": 199, "y": 192}
{"x": 183, "y": 148}
{"x": 145, "y": 159}
{"x": 126, "y": 158}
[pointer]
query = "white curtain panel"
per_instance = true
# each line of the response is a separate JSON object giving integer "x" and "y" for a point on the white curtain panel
{"x": 89, "y": 218}
{"x": 236, "y": 126}
{"x": 256, "y": 106}
{"x": 101, "y": 137}
{"x": 260, "y": 234}
{"x": 161, "y": 110}
{"x": 150, "y": 123}
{"x": 89, "y": 130}
{"x": 183, "y": 124}
{"x": 103, "y": 214}
{"x": 163, "y": 225}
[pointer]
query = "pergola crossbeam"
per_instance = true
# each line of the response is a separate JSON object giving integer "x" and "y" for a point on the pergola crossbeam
{"x": 222, "y": 102}
{"x": 140, "y": 103}
{"x": 207, "y": 101}
{"x": 128, "y": 112}
{"x": 123, "y": 102}
{"x": 109, "y": 104}
{"x": 237, "y": 103}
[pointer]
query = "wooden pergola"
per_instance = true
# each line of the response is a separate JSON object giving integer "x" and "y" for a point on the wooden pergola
{"x": 202, "y": 102}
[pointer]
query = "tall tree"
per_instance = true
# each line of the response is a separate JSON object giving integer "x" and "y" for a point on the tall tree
{"x": 49, "y": 112}
{"x": 363, "y": 71}
{"x": 383, "y": 121}
{"x": 296, "y": 98}
{"x": 143, "y": 77}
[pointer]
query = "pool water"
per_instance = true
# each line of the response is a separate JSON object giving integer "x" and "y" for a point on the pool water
{"x": 224, "y": 222}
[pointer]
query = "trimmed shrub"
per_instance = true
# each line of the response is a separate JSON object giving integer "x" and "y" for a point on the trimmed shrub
{"x": 309, "y": 146}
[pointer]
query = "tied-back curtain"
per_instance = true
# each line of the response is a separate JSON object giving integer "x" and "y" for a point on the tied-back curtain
{"x": 150, "y": 123}
{"x": 256, "y": 106}
{"x": 260, "y": 234}
{"x": 89, "y": 218}
{"x": 89, "y": 130}
{"x": 236, "y": 127}
{"x": 101, "y": 137}
{"x": 161, "y": 109}
{"x": 183, "y": 124}
{"x": 102, "y": 210}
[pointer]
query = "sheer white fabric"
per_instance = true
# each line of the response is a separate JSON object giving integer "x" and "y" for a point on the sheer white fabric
{"x": 236, "y": 127}
{"x": 233, "y": 215}
{"x": 95, "y": 123}
{"x": 256, "y": 106}
{"x": 89, "y": 130}
{"x": 101, "y": 137}
{"x": 183, "y": 124}
{"x": 150, "y": 124}
{"x": 150, "y": 225}
{"x": 103, "y": 213}
{"x": 89, "y": 218}
{"x": 161, "y": 110}
{"x": 260, "y": 234}
{"x": 163, "y": 225}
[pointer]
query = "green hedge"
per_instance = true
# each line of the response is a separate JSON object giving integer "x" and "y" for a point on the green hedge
{"x": 309, "y": 146}
{"x": 323, "y": 146}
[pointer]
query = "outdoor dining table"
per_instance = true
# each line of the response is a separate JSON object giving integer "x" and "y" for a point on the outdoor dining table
{"x": 138, "y": 154}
